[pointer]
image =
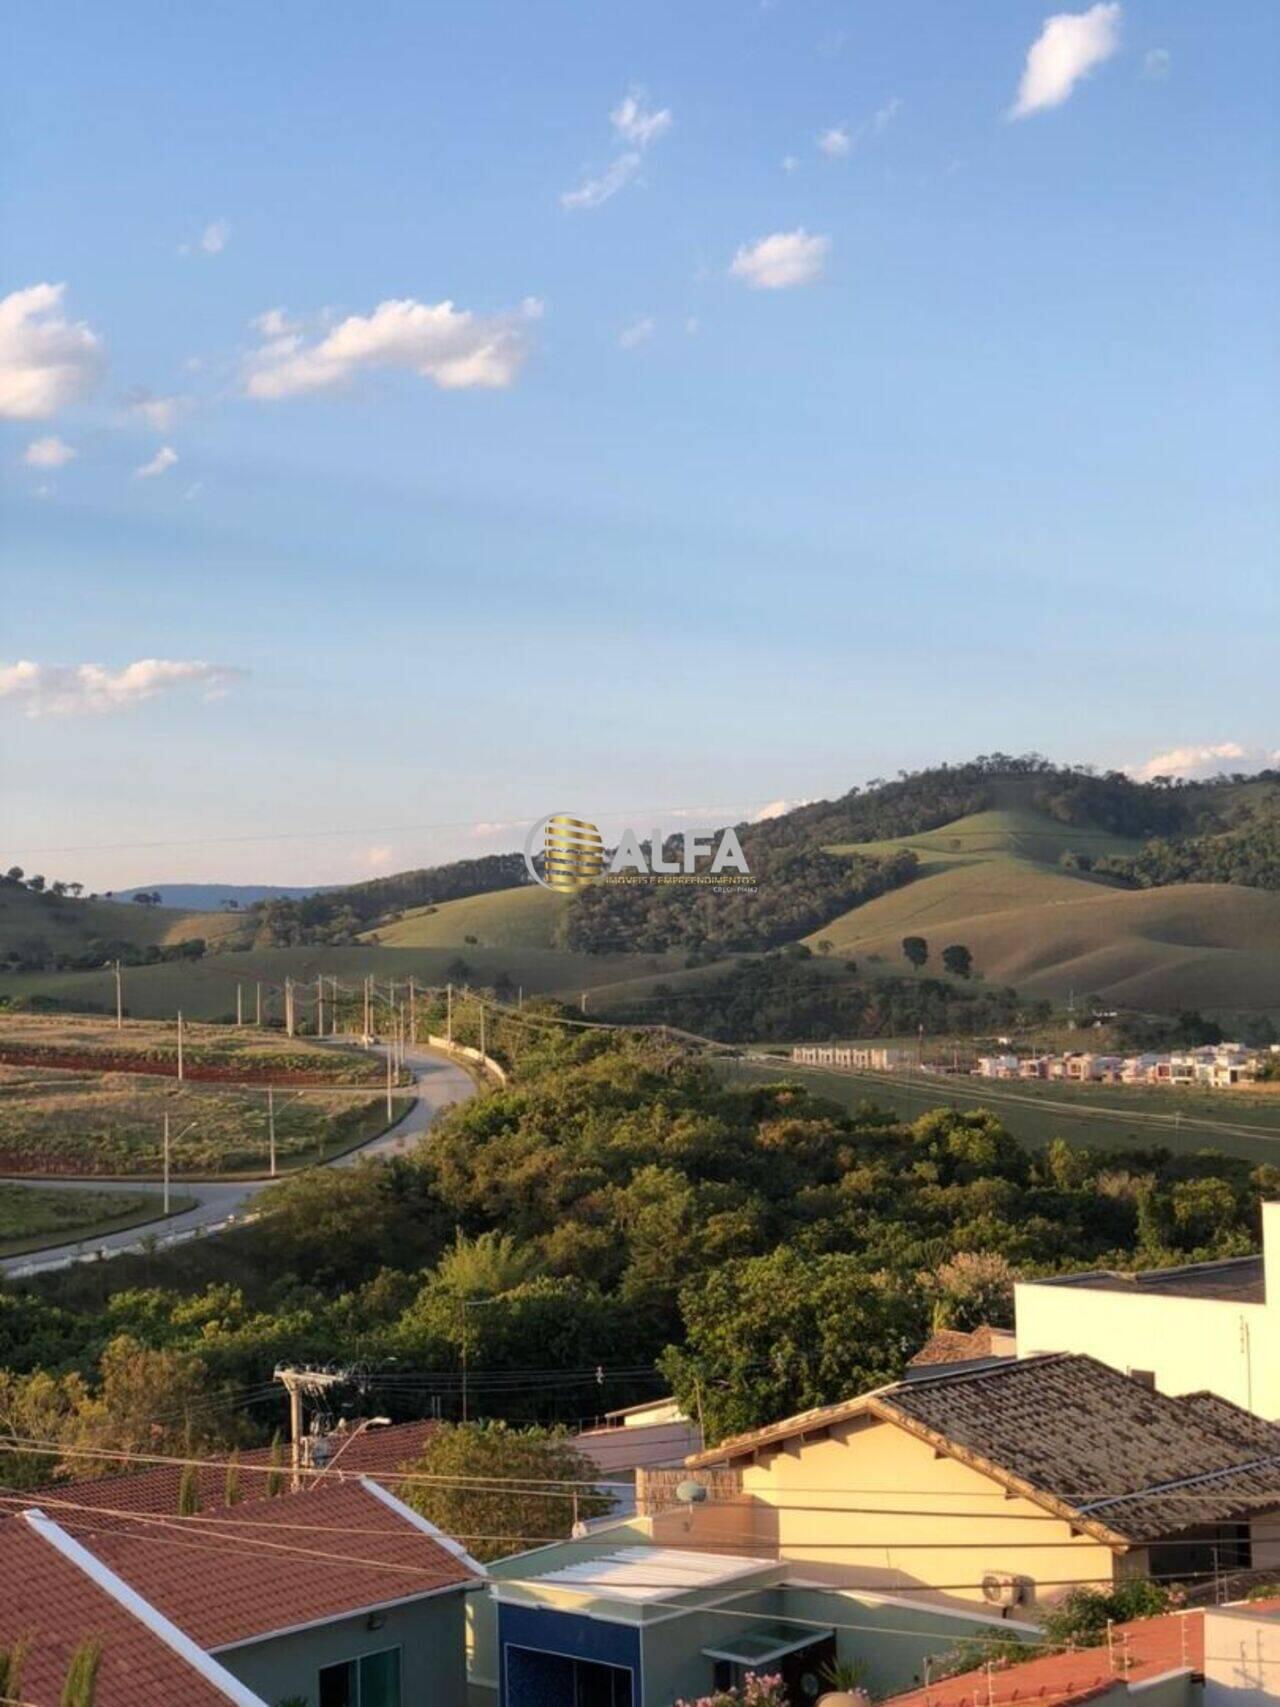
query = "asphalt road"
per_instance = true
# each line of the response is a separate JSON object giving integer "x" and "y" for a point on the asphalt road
{"x": 437, "y": 1084}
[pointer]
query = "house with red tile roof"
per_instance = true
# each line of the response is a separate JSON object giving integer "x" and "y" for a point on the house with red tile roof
{"x": 1160, "y": 1659}
{"x": 339, "y": 1595}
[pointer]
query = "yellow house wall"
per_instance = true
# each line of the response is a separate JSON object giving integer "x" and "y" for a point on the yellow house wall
{"x": 871, "y": 1505}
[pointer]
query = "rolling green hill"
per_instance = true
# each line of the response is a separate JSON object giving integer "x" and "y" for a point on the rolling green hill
{"x": 527, "y": 917}
{"x": 63, "y": 926}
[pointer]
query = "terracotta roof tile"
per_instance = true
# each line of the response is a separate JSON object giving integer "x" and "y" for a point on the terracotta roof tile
{"x": 246, "y": 1571}
{"x": 949, "y": 1345}
{"x": 50, "y": 1603}
{"x": 370, "y": 1452}
{"x": 1145, "y": 1648}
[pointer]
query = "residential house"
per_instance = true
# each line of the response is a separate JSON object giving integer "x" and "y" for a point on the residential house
{"x": 1205, "y": 1325}
{"x": 339, "y": 1595}
{"x": 1003, "y": 1484}
{"x": 640, "y": 1615}
{"x": 650, "y": 1436}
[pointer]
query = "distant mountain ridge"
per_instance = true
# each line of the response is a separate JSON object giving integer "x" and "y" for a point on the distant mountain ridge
{"x": 211, "y": 897}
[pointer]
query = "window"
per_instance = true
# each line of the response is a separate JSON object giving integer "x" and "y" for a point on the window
{"x": 373, "y": 1680}
{"x": 600, "y": 1686}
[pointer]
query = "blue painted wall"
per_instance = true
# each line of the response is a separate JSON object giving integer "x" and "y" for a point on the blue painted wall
{"x": 564, "y": 1635}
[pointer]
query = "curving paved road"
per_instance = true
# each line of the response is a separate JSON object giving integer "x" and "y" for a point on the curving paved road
{"x": 438, "y": 1083}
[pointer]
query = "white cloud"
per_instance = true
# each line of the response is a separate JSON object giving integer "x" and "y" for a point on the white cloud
{"x": 158, "y": 413}
{"x": 72, "y": 690}
{"x": 593, "y": 192}
{"x": 886, "y": 114}
{"x": 160, "y": 463}
{"x": 1189, "y": 761}
{"x": 637, "y": 124}
{"x": 836, "y": 142}
{"x": 639, "y": 332}
{"x": 275, "y": 323}
{"x": 1067, "y": 49}
{"x": 214, "y": 237}
{"x": 1156, "y": 63}
{"x": 692, "y": 326}
{"x": 194, "y": 490}
{"x": 783, "y": 259}
{"x": 52, "y": 452}
{"x": 46, "y": 361}
{"x": 452, "y": 347}
{"x": 378, "y": 858}
{"x": 775, "y": 809}
{"x": 789, "y": 163}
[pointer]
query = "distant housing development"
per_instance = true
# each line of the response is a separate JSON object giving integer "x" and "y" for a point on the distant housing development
{"x": 1215, "y": 1066}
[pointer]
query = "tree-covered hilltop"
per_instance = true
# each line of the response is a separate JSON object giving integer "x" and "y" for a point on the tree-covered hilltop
{"x": 617, "y": 1207}
{"x": 340, "y": 915}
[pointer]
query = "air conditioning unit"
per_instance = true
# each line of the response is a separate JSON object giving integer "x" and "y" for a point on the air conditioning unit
{"x": 1001, "y": 1588}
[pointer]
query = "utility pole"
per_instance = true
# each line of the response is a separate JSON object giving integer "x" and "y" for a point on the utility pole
{"x": 258, "y": 1007}
{"x": 296, "y": 1382}
{"x": 166, "y": 1162}
{"x": 271, "y": 1128}
{"x": 119, "y": 999}
{"x": 413, "y": 1013}
{"x": 482, "y": 1048}
{"x": 448, "y": 1013}
{"x": 368, "y": 999}
{"x": 319, "y": 1004}
{"x": 333, "y": 1029}
{"x": 239, "y": 1005}
{"x": 288, "y": 1006}
{"x": 389, "y": 1051}
{"x": 180, "y": 1074}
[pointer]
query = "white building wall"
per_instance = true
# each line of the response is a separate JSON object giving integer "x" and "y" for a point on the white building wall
{"x": 1188, "y": 1344}
{"x": 1241, "y": 1657}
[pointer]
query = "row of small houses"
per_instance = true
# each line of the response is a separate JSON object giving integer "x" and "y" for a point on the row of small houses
{"x": 1216, "y": 1066}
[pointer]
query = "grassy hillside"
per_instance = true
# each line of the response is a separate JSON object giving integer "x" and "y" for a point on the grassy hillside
{"x": 206, "y": 989}
{"x": 992, "y": 881}
{"x": 506, "y": 918}
{"x": 67, "y": 926}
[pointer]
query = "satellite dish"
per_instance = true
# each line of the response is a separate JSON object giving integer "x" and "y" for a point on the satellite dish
{"x": 691, "y": 1492}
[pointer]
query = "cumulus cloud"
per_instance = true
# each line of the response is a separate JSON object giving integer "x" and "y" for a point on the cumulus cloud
{"x": 639, "y": 332}
{"x": 74, "y": 690}
{"x": 885, "y": 115}
{"x": 1204, "y": 760}
{"x": 52, "y": 452}
{"x": 211, "y": 241}
{"x": 158, "y": 413}
{"x": 783, "y": 259}
{"x": 1156, "y": 63}
{"x": 452, "y": 347}
{"x": 46, "y": 360}
{"x": 594, "y": 192}
{"x": 637, "y": 124}
{"x": 836, "y": 142}
{"x": 160, "y": 463}
{"x": 774, "y": 809}
{"x": 1068, "y": 47}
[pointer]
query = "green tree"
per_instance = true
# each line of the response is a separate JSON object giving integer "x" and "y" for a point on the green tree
{"x": 12, "y": 1658}
{"x": 81, "y": 1686}
{"x": 189, "y": 1491}
{"x": 972, "y": 1289}
{"x": 499, "y": 1490}
{"x": 768, "y": 1336}
{"x": 490, "y": 1263}
{"x": 916, "y": 950}
{"x": 957, "y": 960}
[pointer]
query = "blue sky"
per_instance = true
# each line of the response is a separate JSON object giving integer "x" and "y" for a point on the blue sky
{"x": 976, "y": 452}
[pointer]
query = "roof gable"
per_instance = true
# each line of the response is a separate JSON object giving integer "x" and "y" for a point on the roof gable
{"x": 1081, "y": 1439}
